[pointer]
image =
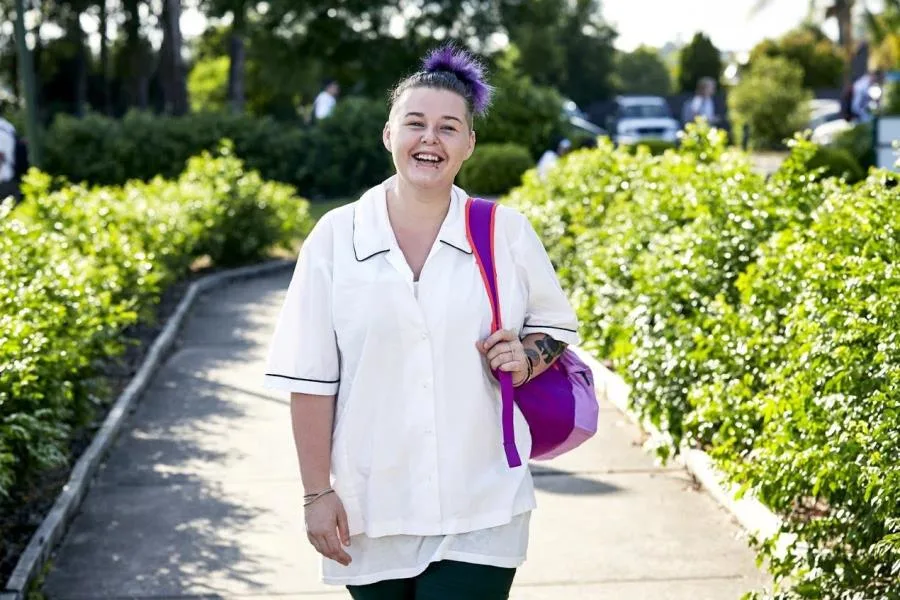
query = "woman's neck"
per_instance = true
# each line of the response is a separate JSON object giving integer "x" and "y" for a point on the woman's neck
{"x": 408, "y": 204}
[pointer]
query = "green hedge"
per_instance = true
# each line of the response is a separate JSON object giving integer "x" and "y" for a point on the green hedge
{"x": 341, "y": 156}
{"x": 80, "y": 265}
{"x": 836, "y": 162}
{"x": 494, "y": 168}
{"x": 756, "y": 319}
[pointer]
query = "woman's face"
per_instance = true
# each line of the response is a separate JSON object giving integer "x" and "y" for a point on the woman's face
{"x": 428, "y": 136}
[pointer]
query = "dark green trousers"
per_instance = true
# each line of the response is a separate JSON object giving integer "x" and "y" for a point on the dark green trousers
{"x": 444, "y": 580}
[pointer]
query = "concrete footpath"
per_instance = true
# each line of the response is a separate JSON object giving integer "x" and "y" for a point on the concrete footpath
{"x": 200, "y": 495}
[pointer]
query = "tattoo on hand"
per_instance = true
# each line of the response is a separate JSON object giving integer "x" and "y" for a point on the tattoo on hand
{"x": 532, "y": 355}
{"x": 550, "y": 348}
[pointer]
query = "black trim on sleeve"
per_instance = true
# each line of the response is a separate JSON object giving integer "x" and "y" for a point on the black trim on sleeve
{"x": 302, "y": 378}
{"x": 530, "y": 326}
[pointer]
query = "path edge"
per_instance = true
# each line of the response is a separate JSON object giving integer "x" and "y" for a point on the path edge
{"x": 755, "y": 517}
{"x": 57, "y": 519}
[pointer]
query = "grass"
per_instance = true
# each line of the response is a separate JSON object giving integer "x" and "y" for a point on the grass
{"x": 320, "y": 207}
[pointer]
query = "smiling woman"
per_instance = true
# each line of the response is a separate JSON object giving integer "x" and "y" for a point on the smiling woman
{"x": 386, "y": 345}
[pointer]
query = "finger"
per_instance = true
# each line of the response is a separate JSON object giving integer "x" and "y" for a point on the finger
{"x": 512, "y": 366}
{"x": 504, "y": 359}
{"x": 500, "y": 335}
{"x": 343, "y": 527}
{"x": 335, "y": 552}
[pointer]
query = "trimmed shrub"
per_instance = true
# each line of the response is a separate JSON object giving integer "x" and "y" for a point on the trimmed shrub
{"x": 340, "y": 156}
{"x": 859, "y": 142}
{"x": 771, "y": 100}
{"x": 80, "y": 265}
{"x": 494, "y": 169}
{"x": 756, "y": 319}
{"x": 836, "y": 163}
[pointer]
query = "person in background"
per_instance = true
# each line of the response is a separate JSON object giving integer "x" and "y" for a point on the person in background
{"x": 550, "y": 157}
{"x": 860, "y": 103}
{"x": 702, "y": 104}
{"x": 326, "y": 100}
{"x": 8, "y": 184}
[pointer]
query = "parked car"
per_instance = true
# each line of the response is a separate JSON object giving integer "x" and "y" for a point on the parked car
{"x": 639, "y": 118}
{"x": 578, "y": 120}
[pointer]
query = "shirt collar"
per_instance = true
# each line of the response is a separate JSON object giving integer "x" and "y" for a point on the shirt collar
{"x": 372, "y": 234}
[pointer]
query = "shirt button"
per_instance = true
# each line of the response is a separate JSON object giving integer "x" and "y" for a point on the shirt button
{"x": 424, "y": 336}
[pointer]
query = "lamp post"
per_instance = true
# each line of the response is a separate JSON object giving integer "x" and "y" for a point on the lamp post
{"x": 26, "y": 74}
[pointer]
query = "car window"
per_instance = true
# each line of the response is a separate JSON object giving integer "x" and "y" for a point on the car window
{"x": 644, "y": 111}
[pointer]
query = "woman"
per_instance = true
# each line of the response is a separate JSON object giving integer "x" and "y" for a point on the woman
{"x": 384, "y": 342}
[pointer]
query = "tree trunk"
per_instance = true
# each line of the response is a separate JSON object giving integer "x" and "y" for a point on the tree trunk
{"x": 236, "y": 53}
{"x": 26, "y": 72}
{"x": 137, "y": 81}
{"x": 171, "y": 65}
{"x": 104, "y": 60}
{"x": 81, "y": 64}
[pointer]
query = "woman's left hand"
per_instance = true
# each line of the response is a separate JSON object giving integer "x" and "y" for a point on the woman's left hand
{"x": 504, "y": 351}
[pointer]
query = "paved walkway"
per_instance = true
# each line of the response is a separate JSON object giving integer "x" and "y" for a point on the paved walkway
{"x": 200, "y": 495}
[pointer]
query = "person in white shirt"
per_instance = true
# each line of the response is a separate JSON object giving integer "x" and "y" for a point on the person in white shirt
{"x": 860, "y": 103}
{"x": 8, "y": 185}
{"x": 549, "y": 158}
{"x": 326, "y": 100}
{"x": 702, "y": 104}
{"x": 384, "y": 344}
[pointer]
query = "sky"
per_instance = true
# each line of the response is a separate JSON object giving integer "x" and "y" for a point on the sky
{"x": 728, "y": 22}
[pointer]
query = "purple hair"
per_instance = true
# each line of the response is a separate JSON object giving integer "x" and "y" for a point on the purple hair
{"x": 451, "y": 68}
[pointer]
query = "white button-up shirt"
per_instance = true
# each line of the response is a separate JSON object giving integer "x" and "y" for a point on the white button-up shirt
{"x": 417, "y": 446}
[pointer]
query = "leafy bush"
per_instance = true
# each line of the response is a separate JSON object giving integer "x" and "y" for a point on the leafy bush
{"x": 656, "y": 147}
{"x": 80, "y": 265}
{"x": 820, "y": 58}
{"x": 341, "y": 156}
{"x": 858, "y": 141}
{"x": 756, "y": 319}
{"x": 521, "y": 113}
{"x": 494, "y": 169}
{"x": 837, "y": 163}
{"x": 770, "y": 99}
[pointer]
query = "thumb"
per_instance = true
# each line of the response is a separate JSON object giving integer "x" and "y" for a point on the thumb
{"x": 343, "y": 526}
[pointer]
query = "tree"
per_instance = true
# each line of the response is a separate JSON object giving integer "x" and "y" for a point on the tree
{"x": 884, "y": 32}
{"x": 642, "y": 72}
{"x": 821, "y": 60}
{"x": 842, "y": 12}
{"x": 26, "y": 73}
{"x": 698, "y": 59}
{"x": 771, "y": 101}
{"x": 564, "y": 45}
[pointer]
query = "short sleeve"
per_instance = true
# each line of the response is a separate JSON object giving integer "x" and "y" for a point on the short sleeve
{"x": 548, "y": 309}
{"x": 303, "y": 354}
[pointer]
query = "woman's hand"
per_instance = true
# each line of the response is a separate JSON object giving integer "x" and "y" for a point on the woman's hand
{"x": 505, "y": 352}
{"x": 326, "y": 528}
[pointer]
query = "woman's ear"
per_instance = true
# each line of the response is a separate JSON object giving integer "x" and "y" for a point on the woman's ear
{"x": 471, "y": 148}
{"x": 386, "y": 136}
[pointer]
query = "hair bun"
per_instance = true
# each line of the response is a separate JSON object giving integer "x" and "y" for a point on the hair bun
{"x": 466, "y": 68}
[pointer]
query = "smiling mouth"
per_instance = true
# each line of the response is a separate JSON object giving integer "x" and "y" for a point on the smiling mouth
{"x": 427, "y": 159}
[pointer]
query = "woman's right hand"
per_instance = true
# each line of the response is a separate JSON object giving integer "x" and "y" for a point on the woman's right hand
{"x": 326, "y": 528}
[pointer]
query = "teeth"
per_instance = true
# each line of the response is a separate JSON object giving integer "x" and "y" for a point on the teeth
{"x": 427, "y": 157}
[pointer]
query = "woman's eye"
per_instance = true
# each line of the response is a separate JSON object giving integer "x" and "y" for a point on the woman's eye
{"x": 415, "y": 124}
{"x": 449, "y": 128}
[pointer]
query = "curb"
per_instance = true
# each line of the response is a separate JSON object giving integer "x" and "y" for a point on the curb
{"x": 52, "y": 528}
{"x": 752, "y": 514}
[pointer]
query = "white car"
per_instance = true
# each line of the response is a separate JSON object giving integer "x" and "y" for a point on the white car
{"x": 640, "y": 118}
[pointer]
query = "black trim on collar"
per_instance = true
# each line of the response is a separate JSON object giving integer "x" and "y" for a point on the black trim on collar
{"x": 353, "y": 241}
{"x": 463, "y": 250}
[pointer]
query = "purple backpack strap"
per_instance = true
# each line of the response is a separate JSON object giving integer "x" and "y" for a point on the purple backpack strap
{"x": 480, "y": 230}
